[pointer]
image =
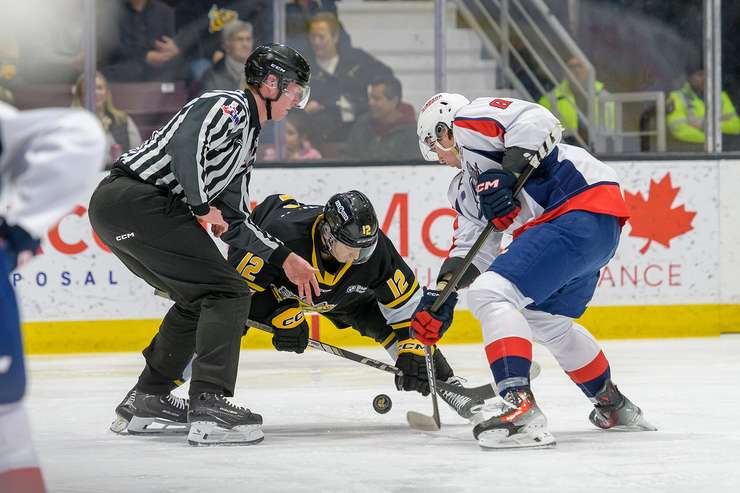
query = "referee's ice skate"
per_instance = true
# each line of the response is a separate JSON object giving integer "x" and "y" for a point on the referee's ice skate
{"x": 216, "y": 421}
{"x": 140, "y": 413}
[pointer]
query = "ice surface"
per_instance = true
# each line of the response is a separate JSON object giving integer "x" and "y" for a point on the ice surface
{"x": 321, "y": 433}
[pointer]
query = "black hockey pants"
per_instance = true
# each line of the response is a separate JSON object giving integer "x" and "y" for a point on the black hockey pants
{"x": 161, "y": 242}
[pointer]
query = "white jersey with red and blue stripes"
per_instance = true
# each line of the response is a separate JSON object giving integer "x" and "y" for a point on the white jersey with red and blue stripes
{"x": 569, "y": 177}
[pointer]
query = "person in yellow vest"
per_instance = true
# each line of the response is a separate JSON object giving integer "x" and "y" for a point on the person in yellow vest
{"x": 561, "y": 101}
{"x": 685, "y": 111}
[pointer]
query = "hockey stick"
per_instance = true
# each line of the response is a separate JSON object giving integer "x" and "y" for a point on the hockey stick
{"x": 534, "y": 162}
{"x": 482, "y": 392}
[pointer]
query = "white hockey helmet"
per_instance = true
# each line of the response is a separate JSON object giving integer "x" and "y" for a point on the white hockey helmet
{"x": 439, "y": 109}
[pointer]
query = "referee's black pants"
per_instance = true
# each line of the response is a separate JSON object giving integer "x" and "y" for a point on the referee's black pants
{"x": 160, "y": 241}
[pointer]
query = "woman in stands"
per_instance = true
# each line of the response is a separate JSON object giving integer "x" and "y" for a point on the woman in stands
{"x": 298, "y": 144}
{"x": 121, "y": 132}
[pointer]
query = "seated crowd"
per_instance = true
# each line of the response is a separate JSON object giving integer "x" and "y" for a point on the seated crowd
{"x": 356, "y": 111}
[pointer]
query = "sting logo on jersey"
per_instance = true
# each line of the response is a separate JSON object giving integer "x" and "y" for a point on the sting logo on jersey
{"x": 486, "y": 185}
{"x": 356, "y": 288}
{"x": 232, "y": 111}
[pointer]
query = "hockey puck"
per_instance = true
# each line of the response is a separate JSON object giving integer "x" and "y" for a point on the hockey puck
{"x": 382, "y": 404}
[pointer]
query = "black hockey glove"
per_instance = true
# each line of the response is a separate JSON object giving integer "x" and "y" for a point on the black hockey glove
{"x": 496, "y": 193}
{"x": 14, "y": 240}
{"x": 410, "y": 361}
{"x": 291, "y": 329}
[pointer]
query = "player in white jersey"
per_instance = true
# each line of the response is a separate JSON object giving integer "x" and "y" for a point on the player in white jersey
{"x": 48, "y": 160}
{"x": 565, "y": 224}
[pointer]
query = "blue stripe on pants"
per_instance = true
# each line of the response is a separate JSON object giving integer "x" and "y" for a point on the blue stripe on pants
{"x": 12, "y": 371}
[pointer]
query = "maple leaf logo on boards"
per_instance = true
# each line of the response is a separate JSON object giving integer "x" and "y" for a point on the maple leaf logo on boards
{"x": 653, "y": 218}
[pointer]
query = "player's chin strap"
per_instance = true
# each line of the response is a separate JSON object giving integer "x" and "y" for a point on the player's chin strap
{"x": 268, "y": 101}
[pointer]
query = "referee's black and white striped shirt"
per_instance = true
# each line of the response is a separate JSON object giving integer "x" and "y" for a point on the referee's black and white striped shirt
{"x": 204, "y": 155}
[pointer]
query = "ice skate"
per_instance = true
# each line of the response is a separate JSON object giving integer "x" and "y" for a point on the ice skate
{"x": 613, "y": 411}
{"x": 517, "y": 422}
{"x": 216, "y": 421}
{"x": 140, "y": 414}
{"x": 464, "y": 406}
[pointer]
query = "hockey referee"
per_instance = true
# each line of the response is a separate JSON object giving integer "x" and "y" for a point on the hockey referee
{"x": 147, "y": 211}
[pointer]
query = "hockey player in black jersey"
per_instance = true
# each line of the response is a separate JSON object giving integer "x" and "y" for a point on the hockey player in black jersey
{"x": 365, "y": 283}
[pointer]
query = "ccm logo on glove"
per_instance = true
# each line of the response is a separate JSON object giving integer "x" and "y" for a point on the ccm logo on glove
{"x": 288, "y": 319}
{"x": 487, "y": 185}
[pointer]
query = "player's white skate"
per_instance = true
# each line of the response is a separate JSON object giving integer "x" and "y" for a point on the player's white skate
{"x": 517, "y": 422}
{"x": 142, "y": 414}
{"x": 216, "y": 421}
{"x": 613, "y": 411}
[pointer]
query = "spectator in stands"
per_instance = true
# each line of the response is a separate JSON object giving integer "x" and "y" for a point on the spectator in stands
{"x": 339, "y": 79}
{"x": 564, "y": 102}
{"x": 8, "y": 68}
{"x": 298, "y": 145}
{"x": 6, "y": 96}
{"x": 121, "y": 132}
{"x": 143, "y": 46}
{"x": 228, "y": 72}
{"x": 298, "y": 16}
{"x": 388, "y": 131}
{"x": 685, "y": 115}
{"x": 200, "y": 25}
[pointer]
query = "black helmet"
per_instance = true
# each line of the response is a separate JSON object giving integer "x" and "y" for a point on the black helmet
{"x": 352, "y": 220}
{"x": 286, "y": 63}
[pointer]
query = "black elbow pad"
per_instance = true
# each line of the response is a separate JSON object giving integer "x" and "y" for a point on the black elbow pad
{"x": 516, "y": 159}
{"x": 450, "y": 266}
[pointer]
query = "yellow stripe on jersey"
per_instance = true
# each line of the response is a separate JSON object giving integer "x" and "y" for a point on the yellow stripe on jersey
{"x": 402, "y": 299}
{"x": 388, "y": 339}
{"x": 289, "y": 198}
{"x": 255, "y": 287}
{"x": 401, "y": 325}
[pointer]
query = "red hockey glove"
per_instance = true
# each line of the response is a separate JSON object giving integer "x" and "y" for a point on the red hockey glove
{"x": 429, "y": 327}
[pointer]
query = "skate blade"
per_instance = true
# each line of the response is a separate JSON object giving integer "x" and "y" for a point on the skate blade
{"x": 147, "y": 426}
{"x": 640, "y": 425}
{"x": 206, "y": 433}
{"x": 500, "y": 439}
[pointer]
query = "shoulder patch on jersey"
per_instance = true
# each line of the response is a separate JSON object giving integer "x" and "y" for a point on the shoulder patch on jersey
{"x": 232, "y": 111}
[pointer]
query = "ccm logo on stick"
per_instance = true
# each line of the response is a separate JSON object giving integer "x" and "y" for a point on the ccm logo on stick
{"x": 486, "y": 185}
